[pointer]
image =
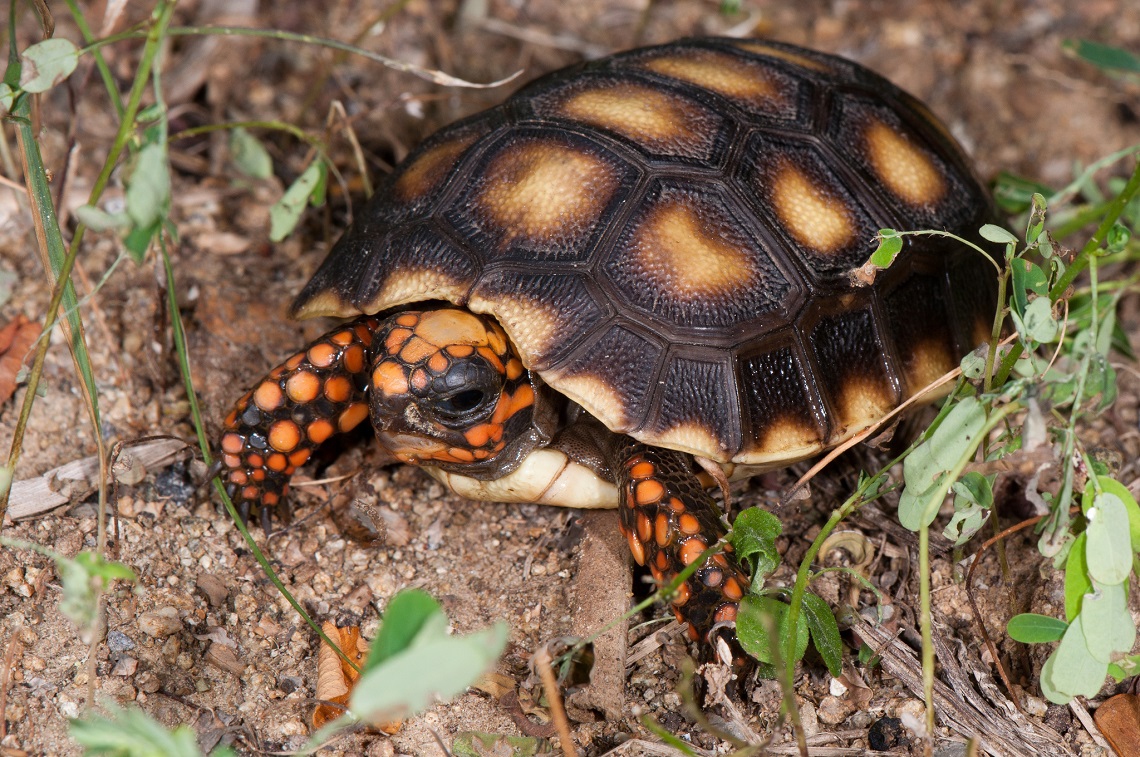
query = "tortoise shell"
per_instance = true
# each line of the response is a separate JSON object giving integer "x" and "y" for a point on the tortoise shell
{"x": 666, "y": 236}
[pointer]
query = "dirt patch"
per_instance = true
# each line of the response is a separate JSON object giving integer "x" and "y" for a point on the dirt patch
{"x": 205, "y": 639}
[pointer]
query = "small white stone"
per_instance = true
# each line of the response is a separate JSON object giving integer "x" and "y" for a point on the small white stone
{"x": 837, "y": 688}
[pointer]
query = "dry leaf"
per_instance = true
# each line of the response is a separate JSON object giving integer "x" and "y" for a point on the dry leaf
{"x": 335, "y": 677}
{"x": 15, "y": 340}
{"x": 1119, "y": 721}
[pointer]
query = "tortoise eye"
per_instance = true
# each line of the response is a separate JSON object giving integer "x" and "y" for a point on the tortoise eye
{"x": 461, "y": 402}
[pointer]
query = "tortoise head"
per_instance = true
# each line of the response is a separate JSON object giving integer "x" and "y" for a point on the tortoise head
{"x": 449, "y": 391}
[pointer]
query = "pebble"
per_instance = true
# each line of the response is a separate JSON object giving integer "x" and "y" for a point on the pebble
{"x": 118, "y": 642}
{"x": 833, "y": 710}
{"x": 160, "y": 623}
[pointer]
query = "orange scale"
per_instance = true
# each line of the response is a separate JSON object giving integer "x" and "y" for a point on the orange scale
{"x": 420, "y": 379}
{"x": 268, "y": 396}
{"x": 258, "y": 474}
{"x": 490, "y": 356}
{"x": 478, "y": 435}
{"x": 643, "y": 469}
{"x": 249, "y": 492}
{"x": 514, "y": 369}
{"x": 289, "y": 472}
{"x": 438, "y": 363}
{"x": 725, "y": 614}
{"x": 732, "y": 589}
{"x": 292, "y": 363}
{"x": 303, "y": 387}
{"x": 300, "y": 457}
{"x": 319, "y": 430}
{"x": 676, "y": 505}
{"x": 231, "y": 419}
{"x": 649, "y": 491}
{"x": 232, "y": 443}
{"x": 644, "y": 527}
{"x": 720, "y": 560}
{"x": 338, "y": 389}
{"x": 269, "y": 499}
{"x": 408, "y": 319}
{"x": 363, "y": 333}
{"x": 684, "y": 593}
{"x": 713, "y": 578}
{"x": 636, "y": 548}
{"x": 694, "y": 634}
{"x": 691, "y": 550}
{"x": 343, "y": 338}
{"x": 661, "y": 529}
{"x": 661, "y": 561}
{"x": 284, "y": 436}
{"x": 396, "y": 339}
{"x": 276, "y": 462}
{"x": 351, "y": 418}
{"x": 689, "y": 525}
{"x": 461, "y": 455}
{"x": 322, "y": 355}
{"x": 482, "y": 454}
{"x": 255, "y": 460}
{"x": 459, "y": 350}
{"x": 353, "y": 359}
{"x": 231, "y": 461}
{"x": 658, "y": 576}
{"x": 239, "y": 477}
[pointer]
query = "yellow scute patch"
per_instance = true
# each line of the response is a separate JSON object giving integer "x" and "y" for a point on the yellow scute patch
{"x": 533, "y": 328}
{"x": 785, "y": 55}
{"x": 690, "y": 437}
{"x": 815, "y": 216}
{"x": 641, "y": 113}
{"x": 596, "y": 396}
{"x": 422, "y": 176}
{"x": 905, "y": 168}
{"x": 546, "y": 189}
{"x": 720, "y": 73}
{"x": 861, "y": 404}
{"x": 669, "y": 242}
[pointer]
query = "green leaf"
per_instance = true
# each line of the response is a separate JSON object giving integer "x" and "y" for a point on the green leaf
{"x": 754, "y": 537}
{"x": 824, "y": 632}
{"x": 478, "y": 744}
{"x": 98, "y": 219}
{"x": 1110, "y": 546}
{"x": 973, "y": 365}
{"x": 7, "y": 97}
{"x": 406, "y": 615}
{"x": 753, "y": 619}
{"x": 130, "y": 732}
{"x": 1104, "y": 56}
{"x": 1027, "y": 277}
{"x": 1014, "y": 194}
{"x": 1071, "y": 670}
{"x": 925, "y": 468}
{"x": 997, "y": 234}
{"x": 250, "y": 156}
{"x": 890, "y": 245}
{"x": 1031, "y": 628}
{"x": 1112, "y": 486}
{"x": 434, "y": 667}
{"x": 1106, "y": 622}
{"x": 1077, "y": 581}
{"x": 1039, "y": 323}
{"x": 148, "y": 191}
{"x": 286, "y": 212}
{"x": 45, "y": 64}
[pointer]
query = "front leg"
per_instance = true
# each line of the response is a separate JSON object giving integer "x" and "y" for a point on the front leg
{"x": 669, "y": 520}
{"x": 302, "y": 402}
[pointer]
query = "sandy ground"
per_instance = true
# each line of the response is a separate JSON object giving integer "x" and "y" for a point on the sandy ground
{"x": 204, "y": 638}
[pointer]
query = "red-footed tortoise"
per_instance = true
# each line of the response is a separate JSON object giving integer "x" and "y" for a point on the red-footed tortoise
{"x": 627, "y": 264}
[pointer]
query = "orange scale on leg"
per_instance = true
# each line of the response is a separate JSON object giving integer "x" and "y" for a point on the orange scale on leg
{"x": 342, "y": 338}
{"x": 720, "y": 560}
{"x": 481, "y": 454}
{"x": 688, "y": 524}
{"x": 713, "y": 578}
{"x": 338, "y": 388}
{"x": 636, "y": 548}
{"x": 303, "y": 387}
{"x": 284, "y": 436}
{"x": 269, "y": 499}
{"x": 319, "y": 430}
{"x": 732, "y": 589}
{"x": 255, "y": 460}
{"x": 644, "y": 527}
{"x": 353, "y": 359}
{"x": 352, "y": 416}
{"x": 268, "y": 396}
{"x": 300, "y": 457}
{"x": 249, "y": 492}
{"x": 725, "y": 614}
{"x": 322, "y": 355}
{"x": 661, "y": 561}
{"x": 276, "y": 462}
{"x": 676, "y": 505}
{"x": 259, "y": 474}
{"x": 691, "y": 550}
{"x": 694, "y": 634}
{"x": 460, "y": 455}
{"x": 231, "y": 419}
{"x": 292, "y": 363}
{"x": 238, "y": 477}
{"x": 649, "y": 491}
{"x": 656, "y": 572}
{"x": 232, "y": 443}
{"x": 684, "y": 593}
{"x": 231, "y": 461}
{"x": 363, "y": 333}
{"x": 661, "y": 529}
{"x": 642, "y": 469}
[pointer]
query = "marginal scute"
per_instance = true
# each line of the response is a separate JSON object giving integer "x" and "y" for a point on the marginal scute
{"x": 423, "y": 175}
{"x": 904, "y": 167}
{"x": 862, "y": 402}
{"x": 784, "y": 54}
{"x": 692, "y": 437}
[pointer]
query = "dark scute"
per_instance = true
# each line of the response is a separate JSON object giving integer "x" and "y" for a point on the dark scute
{"x": 848, "y": 347}
{"x": 700, "y": 392}
{"x": 776, "y": 386}
{"x": 918, "y": 313}
{"x": 627, "y": 361}
{"x": 973, "y": 293}
{"x": 409, "y": 249}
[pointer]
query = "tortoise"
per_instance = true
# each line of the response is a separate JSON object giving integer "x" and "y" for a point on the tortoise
{"x": 630, "y": 265}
